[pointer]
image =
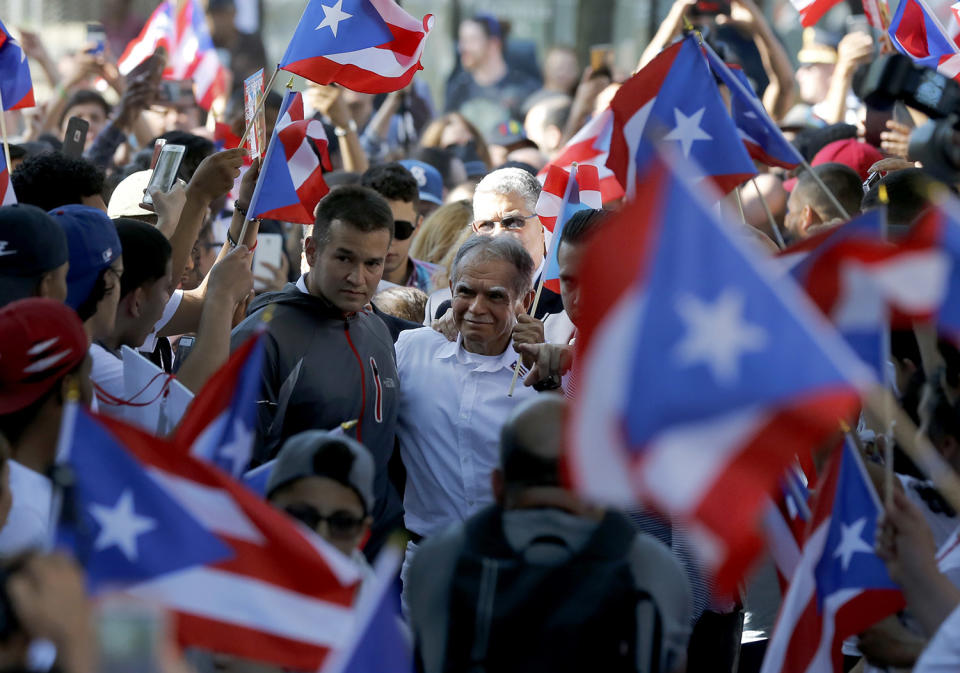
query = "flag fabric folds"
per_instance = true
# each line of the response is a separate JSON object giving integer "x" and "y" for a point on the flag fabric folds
{"x": 240, "y": 576}
{"x": 761, "y": 136}
{"x": 916, "y": 32}
{"x": 372, "y": 46}
{"x": 812, "y": 11}
{"x": 291, "y": 184}
{"x": 191, "y": 54}
{"x": 840, "y": 586}
{"x": 591, "y": 145}
{"x": 219, "y": 425}
{"x": 685, "y": 402}
{"x": 579, "y": 189}
{"x": 16, "y": 86}
{"x": 674, "y": 100}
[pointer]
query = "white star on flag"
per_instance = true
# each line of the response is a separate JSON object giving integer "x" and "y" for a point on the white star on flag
{"x": 120, "y": 525}
{"x": 332, "y": 16}
{"x": 852, "y": 542}
{"x": 687, "y": 130}
{"x": 717, "y": 334}
{"x": 237, "y": 451}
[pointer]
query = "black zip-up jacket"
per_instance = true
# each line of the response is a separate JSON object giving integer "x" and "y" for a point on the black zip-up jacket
{"x": 320, "y": 369}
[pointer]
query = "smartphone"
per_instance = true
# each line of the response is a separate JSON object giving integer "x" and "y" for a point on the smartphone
{"x": 157, "y": 146}
{"x": 130, "y": 636}
{"x": 184, "y": 346}
{"x": 875, "y": 123}
{"x": 75, "y": 139}
{"x": 96, "y": 37}
{"x": 165, "y": 172}
{"x": 901, "y": 115}
{"x": 600, "y": 56}
{"x": 269, "y": 250}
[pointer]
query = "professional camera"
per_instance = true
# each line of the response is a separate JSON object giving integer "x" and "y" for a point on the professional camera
{"x": 936, "y": 144}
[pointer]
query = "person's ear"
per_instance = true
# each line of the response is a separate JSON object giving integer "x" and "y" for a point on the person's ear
{"x": 808, "y": 218}
{"x": 527, "y": 300}
{"x": 310, "y": 250}
{"x": 498, "y": 485}
{"x": 45, "y": 286}
{"x": 137, "y": 300}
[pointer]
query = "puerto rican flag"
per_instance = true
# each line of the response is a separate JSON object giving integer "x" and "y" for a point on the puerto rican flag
{"x": 812, "y": 11}
{"x": 916, "y": 32}
{"x": 371, "y": 46}
{"x": 840, "y": 586}
{"x": 685, "y": 402}
{"x": 857, "y": 309}
{"x": 761, "y": 136}
{"x": 186, "y": 37}
{"x": 590, "y": 145}
{"x": 240, "y": 577}
{"x": 219, "y": 427}
{"x": 562, "y": 195}
{"x": 7, "y": 197}
{"x": 674, "y": 100}
{"x": 291, "y": 184}
{"x": 16, "y": 86}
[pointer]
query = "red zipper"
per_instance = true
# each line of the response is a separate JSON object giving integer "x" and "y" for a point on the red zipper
{"x": 363, "y": 382}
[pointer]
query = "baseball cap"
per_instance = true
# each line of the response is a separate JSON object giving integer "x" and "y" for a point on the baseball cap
{"x": 509, "y": 133}
{"x": 93, "y": 243}
{"x": 43, "y": 340}
{"x": 31, "y": 244}
{"x": 126, "y": 198}
{"x": 428, "y": 179}
{"x": 316, "y": 453}
{"x": 850, "y": 152}
{"x": 819, "y": 46}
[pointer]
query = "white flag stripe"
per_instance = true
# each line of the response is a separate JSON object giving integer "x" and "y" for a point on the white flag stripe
{"x": 302, "y": 164}
{"x": 212, "y": 507}
{"x": 251, "y": 603}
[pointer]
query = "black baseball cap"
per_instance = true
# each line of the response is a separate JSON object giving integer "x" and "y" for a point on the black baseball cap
{"x": 31, "y": 244}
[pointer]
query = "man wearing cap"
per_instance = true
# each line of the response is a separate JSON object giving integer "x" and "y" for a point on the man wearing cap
{"x": 430, "y": 183}
{"x": 96, "y": 264}
{"x": 33, "y": 255}
{"x": 44, "y": 355}
{"x": 485, "y": 74}
{"x": 398, "y": 186}
{"x": 326, "y": 482}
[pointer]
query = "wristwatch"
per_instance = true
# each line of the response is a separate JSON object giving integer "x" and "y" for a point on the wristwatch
{"x": 341, "y": 132}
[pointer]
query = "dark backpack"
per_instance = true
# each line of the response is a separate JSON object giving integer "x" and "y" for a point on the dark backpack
{"x": 509, "y": 615}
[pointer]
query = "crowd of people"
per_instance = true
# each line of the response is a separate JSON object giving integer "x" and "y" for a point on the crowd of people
{"x": 394, "y": 326}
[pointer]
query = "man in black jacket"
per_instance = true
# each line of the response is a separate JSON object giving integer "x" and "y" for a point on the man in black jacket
{"x": 328, "y": 360}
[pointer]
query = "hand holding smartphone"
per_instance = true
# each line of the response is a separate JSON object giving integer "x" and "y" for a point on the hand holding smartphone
{"x": 165, "y": 172}
{"x": 75, "y": 139}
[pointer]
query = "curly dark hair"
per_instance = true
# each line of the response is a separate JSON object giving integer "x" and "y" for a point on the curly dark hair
{"x": 52, "y": 179}
{"x": 393, "y": 182}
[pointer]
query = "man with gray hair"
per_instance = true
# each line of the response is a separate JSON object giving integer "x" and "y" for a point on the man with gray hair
{"x": 505, "y": 202}
{"x": 453, "y": 394}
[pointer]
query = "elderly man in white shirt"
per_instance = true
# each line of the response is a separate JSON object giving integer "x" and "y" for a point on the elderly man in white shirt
{"x": 453, "y": 395}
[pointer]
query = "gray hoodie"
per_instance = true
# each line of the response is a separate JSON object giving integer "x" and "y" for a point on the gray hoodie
{"x": 322, "y": 368}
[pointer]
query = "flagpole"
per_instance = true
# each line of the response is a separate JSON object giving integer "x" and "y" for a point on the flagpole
{"x": 830, "y": 195}
{"x": 3, "y": 135}
{"x": 263, "y": 97}
{"x": 743, "y": 217}
{"x": 770, "y": 217}
{"x": 887, "y": 383}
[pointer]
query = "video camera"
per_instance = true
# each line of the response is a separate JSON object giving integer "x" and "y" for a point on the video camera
{"x": 936, "y": 144}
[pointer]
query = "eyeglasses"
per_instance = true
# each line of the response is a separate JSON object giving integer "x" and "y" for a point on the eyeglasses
{"x": 403, "y": 229}
{"x": 341, "y": 524}
{"x": 509, "y": 223}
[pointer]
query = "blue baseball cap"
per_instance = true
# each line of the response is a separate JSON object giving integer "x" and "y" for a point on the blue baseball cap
{"x": 428, "y": 179}
{"x": 93, "y": 244}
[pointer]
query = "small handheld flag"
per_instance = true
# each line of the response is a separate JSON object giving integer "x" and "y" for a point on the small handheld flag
{"x": 16, "y": 86}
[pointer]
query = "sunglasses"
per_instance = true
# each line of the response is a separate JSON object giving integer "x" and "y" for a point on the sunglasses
{"x": 402, "y": 229}
{"x": 341, "y": 524}
{"x": 510, "y": 223}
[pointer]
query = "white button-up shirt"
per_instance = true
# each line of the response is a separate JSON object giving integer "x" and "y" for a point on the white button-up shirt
{"x": 452, "y": 406}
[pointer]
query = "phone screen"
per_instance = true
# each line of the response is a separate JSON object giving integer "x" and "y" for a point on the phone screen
{"x": 130, "y": 637}
{"x": 165, "y": 172}
{"x": 75, "y": 139}
{"x": 96, "y": 38}
{"x": 269, "y": 250}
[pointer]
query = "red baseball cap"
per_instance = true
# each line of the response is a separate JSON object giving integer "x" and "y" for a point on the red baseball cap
{"x": 43, "y": 340}
{"x": 850, "y": 152}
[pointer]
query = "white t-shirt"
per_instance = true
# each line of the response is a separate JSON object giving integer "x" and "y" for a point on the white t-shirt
{"x": 107, "y": 374}
{"x": 28, "y": 526}
{"x": 942, "y": 654}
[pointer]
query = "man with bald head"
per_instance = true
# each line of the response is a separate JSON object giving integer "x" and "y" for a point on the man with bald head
{"x": 541, "y": 580}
